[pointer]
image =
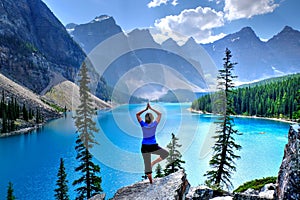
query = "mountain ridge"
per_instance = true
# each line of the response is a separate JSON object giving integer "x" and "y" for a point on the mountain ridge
{"x": 256, "y": 59}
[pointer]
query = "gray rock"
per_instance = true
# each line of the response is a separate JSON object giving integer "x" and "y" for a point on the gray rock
{"x": 201, "y": 192}
{"x": 165, "y": 188}
{"x": 268, "y": 187}
{"x": 288, "y": 181}
{"x": 251, "y": 191}
{"x": 98, "y": 197}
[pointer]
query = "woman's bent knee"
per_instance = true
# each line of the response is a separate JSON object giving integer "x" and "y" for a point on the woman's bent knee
{"x": 164, "y": 154}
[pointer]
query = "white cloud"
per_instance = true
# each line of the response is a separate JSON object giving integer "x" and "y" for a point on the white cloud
{"x": 197, "y": 23}
{"x": 237, "y": 9}
{"x": 155, "y": 3}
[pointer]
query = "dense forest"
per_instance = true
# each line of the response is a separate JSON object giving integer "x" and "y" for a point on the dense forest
{"x": 11, "y": 112}
{"x": 277, "y": 97}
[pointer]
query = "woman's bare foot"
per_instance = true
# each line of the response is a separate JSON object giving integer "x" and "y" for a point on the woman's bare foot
{"x": 150, "y": 178}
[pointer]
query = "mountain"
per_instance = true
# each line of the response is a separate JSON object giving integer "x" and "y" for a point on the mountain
{"x": 135, "y": 61}
{"x": 285, "y": 47}
{"x": 194, "y": 64}
{"x": 89, "y": 35}
{"x": 34, "y": 45}
{"x": 257, "y": 59}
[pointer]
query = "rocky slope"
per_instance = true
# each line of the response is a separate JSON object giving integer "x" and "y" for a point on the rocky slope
{"x": 24, "y": 95}
{"x": 34, "y": 44}
{"x": 66, "y": 94}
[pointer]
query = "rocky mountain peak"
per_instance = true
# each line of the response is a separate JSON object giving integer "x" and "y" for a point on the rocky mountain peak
{"x": 170, "y": 43}
{"x": 245, "y": 34}
{"x": 288, "y": 29}
{"x": 287, "y": 34}
{"x": 90, "y": 34}
{"x": 102, "y": 18}
{"x": 142, "y": 37}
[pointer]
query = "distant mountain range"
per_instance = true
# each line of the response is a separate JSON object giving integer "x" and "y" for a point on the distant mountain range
{"x": 256, "y": 59}
{"x": 142, "y": 60}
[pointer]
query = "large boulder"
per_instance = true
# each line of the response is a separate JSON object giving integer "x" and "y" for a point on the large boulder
{"x": 166, "y": 188}
{"x": 288, "y": 181}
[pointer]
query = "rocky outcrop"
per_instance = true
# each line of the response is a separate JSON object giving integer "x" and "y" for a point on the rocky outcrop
{"x": 289, "y": 174}
{"x": 171, "y": 187}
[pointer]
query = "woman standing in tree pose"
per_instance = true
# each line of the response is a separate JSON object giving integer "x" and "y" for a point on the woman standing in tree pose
{"x": 149, "y": 144}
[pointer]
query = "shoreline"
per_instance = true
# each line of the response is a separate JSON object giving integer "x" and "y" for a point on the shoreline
{"x": 22, "y": 131}
{"x": 29, "y": 129}
{"x": 243, "y": 116}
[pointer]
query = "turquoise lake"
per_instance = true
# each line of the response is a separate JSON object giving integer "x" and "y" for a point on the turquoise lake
{"x": 31, "y": 161}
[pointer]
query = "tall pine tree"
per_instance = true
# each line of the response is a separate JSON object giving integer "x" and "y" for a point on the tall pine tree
{"x": 174, "y": 159}
{"x": 10, "y": 192}
{"x": 61, "y": 192}
{"x": 222, "y": 161}
{"x": 89, "y": 184}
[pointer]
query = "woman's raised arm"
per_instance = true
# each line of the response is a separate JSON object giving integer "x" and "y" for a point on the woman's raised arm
{"x": 138, "y": 114}
{"x": 156, "y": 112}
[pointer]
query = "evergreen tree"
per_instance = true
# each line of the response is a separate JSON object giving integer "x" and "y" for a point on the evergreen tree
{"x": 296, "y": 114}
{"x": 222, "y": 161}
{"x": 4, "y": 122}
{"x": 37, "y": 116}
{"x": 174, "y": 160}
{"x": 275, "y": 97}
{"x": 25, "y": 113}
{"x": 10, "y": 192}
{"x": 158, "y": 171}
{"x": 61, "y": 192}
{"x": 89, "y": 184}
{"x": 30, "y": 114}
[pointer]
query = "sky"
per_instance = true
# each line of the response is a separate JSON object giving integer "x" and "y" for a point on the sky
{"x": 204, "y": 20}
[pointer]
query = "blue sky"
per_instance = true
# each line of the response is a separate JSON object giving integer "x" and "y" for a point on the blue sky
{"x": 205, "y": 20}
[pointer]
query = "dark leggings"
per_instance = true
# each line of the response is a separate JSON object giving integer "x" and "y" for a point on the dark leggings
{"x": 149, "y": 149}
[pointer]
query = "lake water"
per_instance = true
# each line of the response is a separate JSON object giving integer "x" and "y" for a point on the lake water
{"x": 31, "y": 161}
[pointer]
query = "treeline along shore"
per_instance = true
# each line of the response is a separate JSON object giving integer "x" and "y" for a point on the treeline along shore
{"x": 277, "y": 98}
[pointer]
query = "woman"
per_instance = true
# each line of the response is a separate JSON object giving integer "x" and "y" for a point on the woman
{"x": 149, "y": 144}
